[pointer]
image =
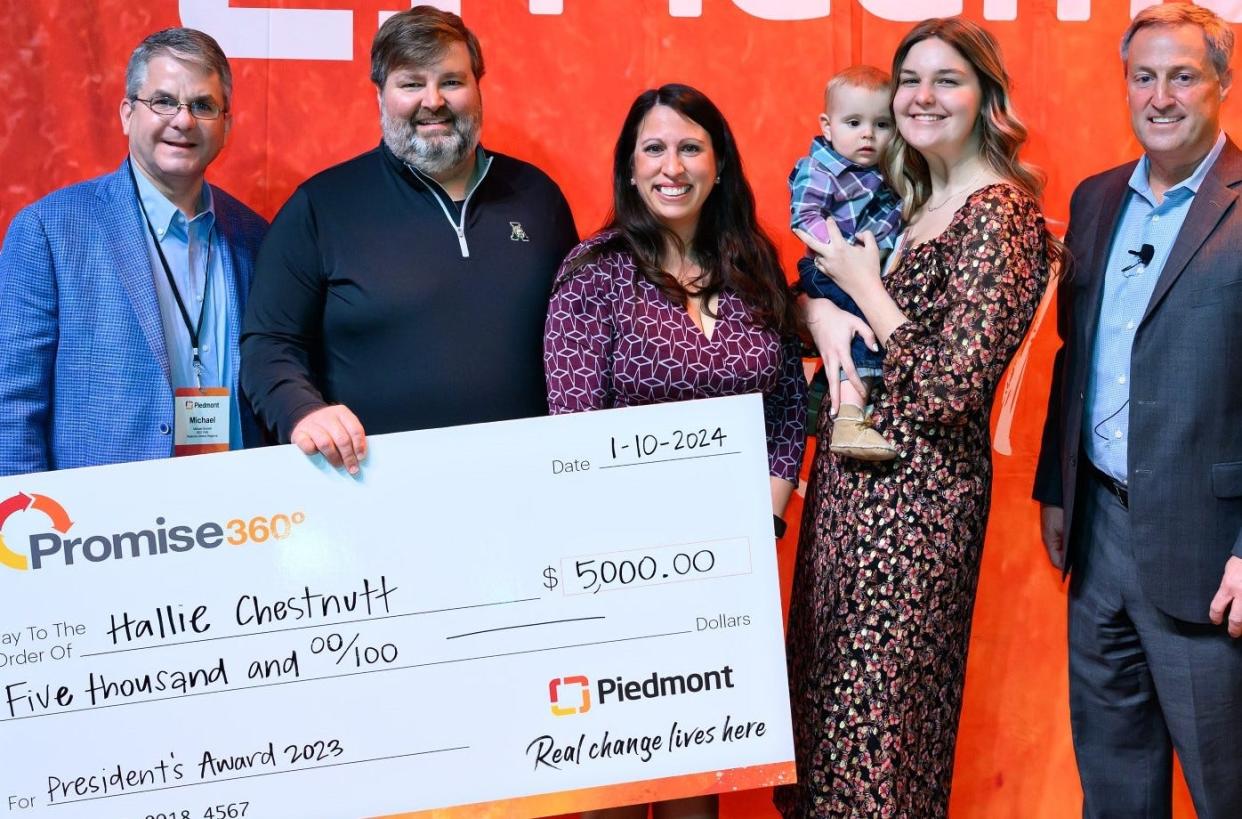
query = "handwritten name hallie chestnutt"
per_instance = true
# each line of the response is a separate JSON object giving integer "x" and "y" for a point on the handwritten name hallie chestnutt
{"x": 253, "y": 610}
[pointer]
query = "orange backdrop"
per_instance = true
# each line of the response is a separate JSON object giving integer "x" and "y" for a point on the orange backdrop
{"x": 560, "y": 78}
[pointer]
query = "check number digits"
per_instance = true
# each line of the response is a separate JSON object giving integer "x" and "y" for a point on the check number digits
{"x": 231, "y": 810}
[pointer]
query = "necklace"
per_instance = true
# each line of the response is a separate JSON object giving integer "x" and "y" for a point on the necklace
{"x": 930, "y": 208}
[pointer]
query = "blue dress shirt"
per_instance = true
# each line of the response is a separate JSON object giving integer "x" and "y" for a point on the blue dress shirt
{"x": 193, "y": 250}
{"x": 1126, "y": 295}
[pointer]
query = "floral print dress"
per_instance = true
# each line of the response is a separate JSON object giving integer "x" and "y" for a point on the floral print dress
{"x": 884, "y": 586}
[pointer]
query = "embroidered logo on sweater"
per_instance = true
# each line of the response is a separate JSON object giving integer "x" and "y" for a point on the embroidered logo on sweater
{"x": 517, "y": 233}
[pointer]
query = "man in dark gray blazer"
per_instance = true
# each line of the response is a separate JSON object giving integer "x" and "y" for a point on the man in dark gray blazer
{"x": 1140, "y": 473}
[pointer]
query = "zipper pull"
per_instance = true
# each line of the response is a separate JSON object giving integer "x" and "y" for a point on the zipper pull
{"x": 461, "y": 240}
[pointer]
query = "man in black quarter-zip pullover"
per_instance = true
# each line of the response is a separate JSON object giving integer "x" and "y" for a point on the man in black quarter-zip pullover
{"x": 406, "y": 288}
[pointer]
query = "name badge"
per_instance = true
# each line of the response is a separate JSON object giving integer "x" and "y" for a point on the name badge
{"x": 202, "y": 420}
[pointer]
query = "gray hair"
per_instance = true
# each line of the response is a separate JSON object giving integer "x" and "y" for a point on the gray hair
{"x": 1217, "y": 34}
{"x": 185, "y": 45}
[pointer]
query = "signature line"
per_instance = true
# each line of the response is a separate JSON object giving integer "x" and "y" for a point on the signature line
{"x": 524, "y": 625}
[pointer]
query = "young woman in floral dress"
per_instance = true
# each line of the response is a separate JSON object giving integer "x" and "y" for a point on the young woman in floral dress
{"x": 889, "y": 555}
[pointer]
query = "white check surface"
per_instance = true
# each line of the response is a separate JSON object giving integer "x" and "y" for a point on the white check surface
{"x": 490, "y": 612}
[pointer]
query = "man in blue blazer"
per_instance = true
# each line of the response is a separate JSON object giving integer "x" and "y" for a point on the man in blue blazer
{"x": 120, "y": 293}
{"x": 1140, "y": 474}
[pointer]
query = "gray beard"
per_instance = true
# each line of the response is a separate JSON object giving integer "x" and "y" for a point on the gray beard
{"x": 434, "y": 156}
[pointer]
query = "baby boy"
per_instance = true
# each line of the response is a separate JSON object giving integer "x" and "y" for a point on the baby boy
{"x": 839, "y": 180}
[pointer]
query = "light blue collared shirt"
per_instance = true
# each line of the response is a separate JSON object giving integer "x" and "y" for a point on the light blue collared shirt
{"x": 1106, "y": 420}
{"x": 193, "y": 251}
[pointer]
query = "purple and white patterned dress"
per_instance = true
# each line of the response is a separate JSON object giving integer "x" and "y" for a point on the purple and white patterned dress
{"x": 613, "y": 339}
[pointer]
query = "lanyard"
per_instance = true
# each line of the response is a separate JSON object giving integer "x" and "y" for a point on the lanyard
{"x": 194, "y": 329}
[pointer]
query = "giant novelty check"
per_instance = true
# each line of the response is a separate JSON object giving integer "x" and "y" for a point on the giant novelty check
{"x": 513, "y": 619}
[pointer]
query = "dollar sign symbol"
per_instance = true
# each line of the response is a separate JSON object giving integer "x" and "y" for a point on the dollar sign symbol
{"x": 549, "y": 579}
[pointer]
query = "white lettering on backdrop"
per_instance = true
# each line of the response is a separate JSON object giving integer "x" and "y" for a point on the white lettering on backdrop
{"x": 327, "y": 34}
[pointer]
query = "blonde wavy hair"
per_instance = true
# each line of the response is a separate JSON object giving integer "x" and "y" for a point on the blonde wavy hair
{"x": 1001, "y": 133}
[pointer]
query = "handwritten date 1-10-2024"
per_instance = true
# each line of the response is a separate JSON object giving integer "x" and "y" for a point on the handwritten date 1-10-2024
{"x": 648, "y": 445}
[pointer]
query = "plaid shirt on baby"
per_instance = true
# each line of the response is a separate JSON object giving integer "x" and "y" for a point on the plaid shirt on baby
{"x": 827, "y": 185}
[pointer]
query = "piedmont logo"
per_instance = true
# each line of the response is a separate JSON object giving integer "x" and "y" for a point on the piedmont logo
{"x": 584, "y": 695}
{"x": 20, "y": 502}
{"x": 619, "y": 689}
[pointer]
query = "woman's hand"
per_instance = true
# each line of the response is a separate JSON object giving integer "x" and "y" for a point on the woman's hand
{"x": 832, "y": 330}
{"x": 854, "y": 267}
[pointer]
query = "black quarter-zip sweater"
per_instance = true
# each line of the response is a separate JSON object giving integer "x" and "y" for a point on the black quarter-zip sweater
{"x": 366, "y": 295}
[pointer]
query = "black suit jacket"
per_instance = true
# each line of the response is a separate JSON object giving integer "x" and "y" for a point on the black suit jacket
{"x": 1185, "y": 447}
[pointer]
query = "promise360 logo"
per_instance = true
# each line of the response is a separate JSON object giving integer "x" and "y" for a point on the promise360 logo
{"x": 51, "y": 545}
{"x": 20, "y": 502}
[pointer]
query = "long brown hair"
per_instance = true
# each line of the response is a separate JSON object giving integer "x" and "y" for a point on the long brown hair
{"x": 729, "y": 245}
{"x": 1001, "y": 133}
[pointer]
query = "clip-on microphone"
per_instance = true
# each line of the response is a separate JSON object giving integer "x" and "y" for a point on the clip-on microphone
{"x": 1145, "y": 254}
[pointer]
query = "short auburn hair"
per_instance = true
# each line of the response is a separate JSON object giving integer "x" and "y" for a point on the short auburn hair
{"x": 866, "y": 77}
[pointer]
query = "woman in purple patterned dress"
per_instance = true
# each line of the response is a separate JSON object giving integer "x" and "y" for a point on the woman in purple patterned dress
{"x": 681, "y": 296}
{"x": 889, "y": 555}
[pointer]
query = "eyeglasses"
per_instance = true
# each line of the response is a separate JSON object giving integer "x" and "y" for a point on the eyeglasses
{"x": 168, "y": 107}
